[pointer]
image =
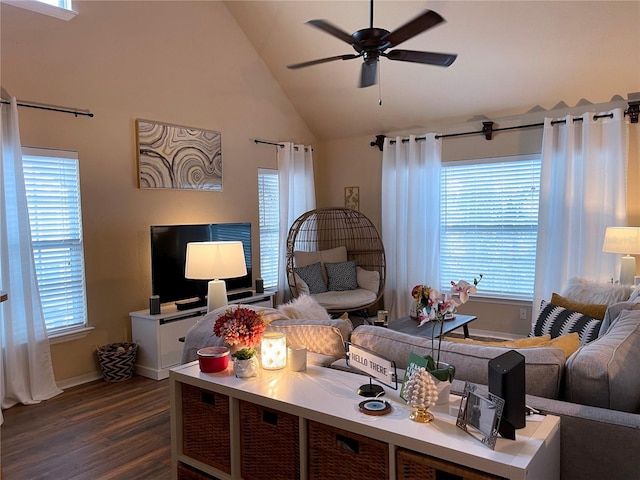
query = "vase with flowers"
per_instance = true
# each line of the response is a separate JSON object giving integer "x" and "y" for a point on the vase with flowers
{"x": 240, "y": 327}
{"x": 433, "y": 306}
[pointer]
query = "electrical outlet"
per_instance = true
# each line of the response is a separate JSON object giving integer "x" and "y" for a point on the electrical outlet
{"x": 523, "y": 314}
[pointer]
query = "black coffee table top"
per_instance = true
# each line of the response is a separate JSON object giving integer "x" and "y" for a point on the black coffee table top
{"x": 410, "y": 325}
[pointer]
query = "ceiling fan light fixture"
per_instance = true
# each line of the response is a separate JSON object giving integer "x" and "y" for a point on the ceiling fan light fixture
{"x": 371, "y": 43}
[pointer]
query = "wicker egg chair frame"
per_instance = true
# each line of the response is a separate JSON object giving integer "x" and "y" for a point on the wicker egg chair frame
{"x": 326, "y": 228}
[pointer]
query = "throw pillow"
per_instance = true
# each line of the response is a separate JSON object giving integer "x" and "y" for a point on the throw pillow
{"x": 569, "y": 343}
{"x": 312, "y": 276}
{"x": 557, "y": 321}
{"x": 342, "y": 276}
{"x": 304, "y": 307}
{"x": 592, "y": 310}
{"x": 588, "y": 291}
{"x": 368, "y": 279}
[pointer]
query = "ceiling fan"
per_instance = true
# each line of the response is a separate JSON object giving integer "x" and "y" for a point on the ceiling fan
{"x": 371, "y": 43}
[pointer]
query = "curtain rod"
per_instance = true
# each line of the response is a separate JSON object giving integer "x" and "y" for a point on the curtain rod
{"x": 487, "y": 127}
{"x": 266, "y": 142}
{"x": 52, "y": 108}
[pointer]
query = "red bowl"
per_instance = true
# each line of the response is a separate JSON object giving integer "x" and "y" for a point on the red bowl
{"x": 213, "y": 359}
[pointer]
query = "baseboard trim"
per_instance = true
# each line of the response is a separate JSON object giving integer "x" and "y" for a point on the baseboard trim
{"x": 79, "y": 380}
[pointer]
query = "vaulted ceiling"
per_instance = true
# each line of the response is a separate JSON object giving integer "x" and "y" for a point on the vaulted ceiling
{"x": 513, "y": 57}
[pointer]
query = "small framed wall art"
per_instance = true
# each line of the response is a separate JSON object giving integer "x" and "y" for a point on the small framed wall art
{"x": 352, "y": 198}
{"x": 172, "y": 156}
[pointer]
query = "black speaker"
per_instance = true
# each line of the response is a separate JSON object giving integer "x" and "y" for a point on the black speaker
{"x": 154, "y": 305}
{"x": 259, "y": 285}
{"x": 506, "y": 380}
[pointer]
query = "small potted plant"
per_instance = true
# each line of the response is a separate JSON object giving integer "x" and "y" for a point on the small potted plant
{"x": 246, "y": 363}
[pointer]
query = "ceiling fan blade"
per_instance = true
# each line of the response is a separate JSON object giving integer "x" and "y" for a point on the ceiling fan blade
{"x": 422, "y": 22}
{"x": 332, "y": 30}
{"x": 429, "y": 58}
{"x": 368, "y": 73}
{"x": 349, "y": 56}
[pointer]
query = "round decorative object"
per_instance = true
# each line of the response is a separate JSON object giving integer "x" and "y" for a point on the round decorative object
{"x": 246, "y": 368}
{"x": 213, "y": 359}
{"x": 375, "y": 407}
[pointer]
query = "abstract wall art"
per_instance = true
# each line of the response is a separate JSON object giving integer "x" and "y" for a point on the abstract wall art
{"x": 171, "y": 156}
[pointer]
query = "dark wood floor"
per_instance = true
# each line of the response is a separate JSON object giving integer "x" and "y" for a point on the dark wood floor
{"x": 94, "y": 431}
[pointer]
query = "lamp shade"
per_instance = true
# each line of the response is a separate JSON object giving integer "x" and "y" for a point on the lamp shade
{"x": 625, "y": 240}
{"x": 208, "y": 260}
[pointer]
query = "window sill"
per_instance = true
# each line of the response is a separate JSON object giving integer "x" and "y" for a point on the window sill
{"x": 43, "y": 8}
{"x": 69, "y": 335}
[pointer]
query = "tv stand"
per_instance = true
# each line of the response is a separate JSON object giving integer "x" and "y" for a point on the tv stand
{"x": 158, "y": 335}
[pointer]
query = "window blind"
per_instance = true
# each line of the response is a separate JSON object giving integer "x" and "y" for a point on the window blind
{"x": 489, "y": 223}
{"x": 52, "y": 181}
{"x": 269, "y": 211}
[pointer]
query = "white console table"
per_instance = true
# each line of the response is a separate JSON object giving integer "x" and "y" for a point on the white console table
{"x": 213, "y": 436}
{"x": 158, "y": 336}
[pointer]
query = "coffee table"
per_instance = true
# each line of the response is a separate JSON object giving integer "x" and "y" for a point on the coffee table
{"x": 410, "y": 326}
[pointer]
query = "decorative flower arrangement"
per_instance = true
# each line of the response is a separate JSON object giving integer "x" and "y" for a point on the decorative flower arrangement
{"x": 431, "y": 305}
{"x": 240, "y": 326}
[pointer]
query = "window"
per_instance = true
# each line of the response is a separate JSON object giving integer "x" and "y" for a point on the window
{"x": 489, "y": 223}
{"x": 52, "y": 180}
{"x": 269, "y": 211}
{"x": 54, "y": 8}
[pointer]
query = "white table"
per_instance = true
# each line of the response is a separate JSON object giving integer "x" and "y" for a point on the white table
{"x": 329, "y": 397}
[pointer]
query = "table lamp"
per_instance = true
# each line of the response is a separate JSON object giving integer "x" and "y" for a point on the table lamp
{"x": 215, "y": 261}
{"x": 624, "y": 240}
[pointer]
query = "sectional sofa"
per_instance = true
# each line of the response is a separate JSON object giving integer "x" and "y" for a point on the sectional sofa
{"x": 595, "y": 390}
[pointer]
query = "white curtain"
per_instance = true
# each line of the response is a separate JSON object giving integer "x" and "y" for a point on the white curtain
{"x": 26, "y": 370}
{"x": 582, "y": 191}
{"x": 410, "y": 218}
{"x": 297, "y": 195}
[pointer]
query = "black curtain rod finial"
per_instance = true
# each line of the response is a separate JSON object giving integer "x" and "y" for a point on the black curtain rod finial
{"x": 379, "y": 142}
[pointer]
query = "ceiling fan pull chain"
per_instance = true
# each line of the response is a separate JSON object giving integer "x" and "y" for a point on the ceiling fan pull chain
{"x": 379, "y": 86}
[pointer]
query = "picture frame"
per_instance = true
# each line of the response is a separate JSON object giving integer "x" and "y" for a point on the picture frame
{"x": 352, "y": 198}
{"x": 178, "y": 157}
{"x": 479, "y": 414}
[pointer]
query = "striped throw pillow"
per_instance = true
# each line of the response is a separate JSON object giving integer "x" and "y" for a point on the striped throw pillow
{"x": 557, "y": 321}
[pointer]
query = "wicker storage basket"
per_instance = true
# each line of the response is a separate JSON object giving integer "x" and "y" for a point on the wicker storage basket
{"x": 205, "y": 427}
{"x": 341, "y": 455}
{"x": 269, "y": 442}
{"x": 416, "y": 466}
{"x": 117, "y": 361}
{"x": 185, "y": 472}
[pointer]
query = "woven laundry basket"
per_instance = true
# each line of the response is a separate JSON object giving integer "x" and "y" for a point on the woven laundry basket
{"x": 117, "y": 361}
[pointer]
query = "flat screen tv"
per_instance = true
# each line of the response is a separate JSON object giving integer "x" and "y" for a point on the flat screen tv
{"x": 168, "y": 251}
